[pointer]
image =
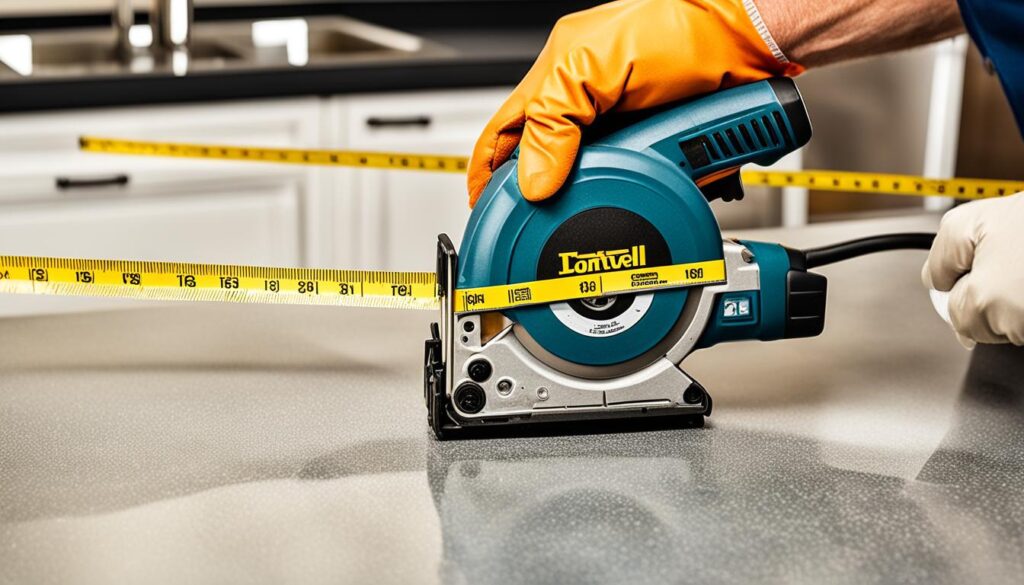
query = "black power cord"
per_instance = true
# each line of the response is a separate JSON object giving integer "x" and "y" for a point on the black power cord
{"x": 845, "y": 250}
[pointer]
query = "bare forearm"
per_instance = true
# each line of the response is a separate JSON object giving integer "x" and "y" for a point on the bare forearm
{"x": 819, "y": 32}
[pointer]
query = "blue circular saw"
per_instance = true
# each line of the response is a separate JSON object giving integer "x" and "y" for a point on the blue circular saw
{"x": 638, "y": 197}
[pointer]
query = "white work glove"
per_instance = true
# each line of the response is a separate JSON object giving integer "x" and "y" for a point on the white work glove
{"x": 977, "y": 258}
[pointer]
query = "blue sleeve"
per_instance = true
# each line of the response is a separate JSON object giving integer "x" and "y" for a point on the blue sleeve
{"x": 997, "y": 27}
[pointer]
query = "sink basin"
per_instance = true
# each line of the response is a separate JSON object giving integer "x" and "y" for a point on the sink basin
{"x": 78, "y": 53}
{"x": 242, "y": 44}
{"x": 64, "y": 54}
{"x": 337, "y": 42}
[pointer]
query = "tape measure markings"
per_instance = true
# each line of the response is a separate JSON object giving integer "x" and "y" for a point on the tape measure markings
{"x": 215, "y": 282}
{"x": 309, "y": 286}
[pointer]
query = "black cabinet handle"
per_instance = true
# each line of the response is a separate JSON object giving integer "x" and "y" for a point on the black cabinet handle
{"x": 381, "y": 122}
{"x": 82, "y": 182}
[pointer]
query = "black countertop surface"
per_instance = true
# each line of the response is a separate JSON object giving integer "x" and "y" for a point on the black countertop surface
{"x": 485, "y": 43}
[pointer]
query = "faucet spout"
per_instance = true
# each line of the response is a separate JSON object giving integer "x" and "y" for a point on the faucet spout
{"x": 124, "y": 18}
{"x": 171, "y": 21}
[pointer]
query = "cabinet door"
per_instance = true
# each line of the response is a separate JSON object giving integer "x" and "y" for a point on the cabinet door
{"x": 200, "y": 221}
{"x": 37, "y": 151}
{"x": 391, "y": 219}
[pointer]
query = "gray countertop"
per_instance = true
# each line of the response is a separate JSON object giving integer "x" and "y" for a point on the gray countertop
{"x": 209, "y": 443}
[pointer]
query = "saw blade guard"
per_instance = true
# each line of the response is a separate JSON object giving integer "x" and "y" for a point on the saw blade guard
{"x": 638, "y": 196}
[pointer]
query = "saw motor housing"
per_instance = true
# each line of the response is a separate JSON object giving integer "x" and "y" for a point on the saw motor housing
{"x": 639, "y": 195}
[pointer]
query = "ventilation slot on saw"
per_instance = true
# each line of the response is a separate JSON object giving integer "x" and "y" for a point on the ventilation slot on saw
{"x": 746, "y": 136}
{"x": 721, "y": 144}
{"x": 759, "y": 133}
{"x": 699, "y": 152}
{"x": 770, "y": 129}
{"x": 775, "y": 127}
{"x": 782, "y": 127}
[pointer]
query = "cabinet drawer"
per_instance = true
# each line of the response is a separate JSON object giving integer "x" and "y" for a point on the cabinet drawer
{"x": 255, "y": 223}
{"x": 445, "y": 122}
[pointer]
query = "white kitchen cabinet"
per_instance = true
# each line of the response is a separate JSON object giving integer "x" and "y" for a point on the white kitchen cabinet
{"x": 160, "y": 209}
{"x": 39, "y": 149}
{"x": 234, "y": 222}
{"x": 390, "y": 219}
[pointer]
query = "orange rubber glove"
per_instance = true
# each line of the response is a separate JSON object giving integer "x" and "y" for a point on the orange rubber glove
{"x": 622, "y": 56}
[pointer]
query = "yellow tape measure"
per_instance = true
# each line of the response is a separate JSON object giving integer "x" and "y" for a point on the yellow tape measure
{"x": 569, "y": 288}
{"x": 849, "y": 182}
{"x": 306, "y": 286}
{"x": 885, "y": 184}
{"x": 215, "y": 282}
{"x": 293, "y": 156}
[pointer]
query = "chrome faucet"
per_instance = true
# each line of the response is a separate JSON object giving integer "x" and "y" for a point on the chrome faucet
{"x": 124, "y": 18}
{"x": 169, "y": 20}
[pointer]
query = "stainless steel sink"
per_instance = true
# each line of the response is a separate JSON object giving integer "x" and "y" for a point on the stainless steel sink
{"x": 70, "y": 53}
{"x": 336, "y": 42}
{"x": 62, "y": 54}
{"x": 301, "y": 42}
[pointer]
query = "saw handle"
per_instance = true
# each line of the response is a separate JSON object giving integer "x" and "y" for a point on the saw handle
{"x": 710, "y": 137}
